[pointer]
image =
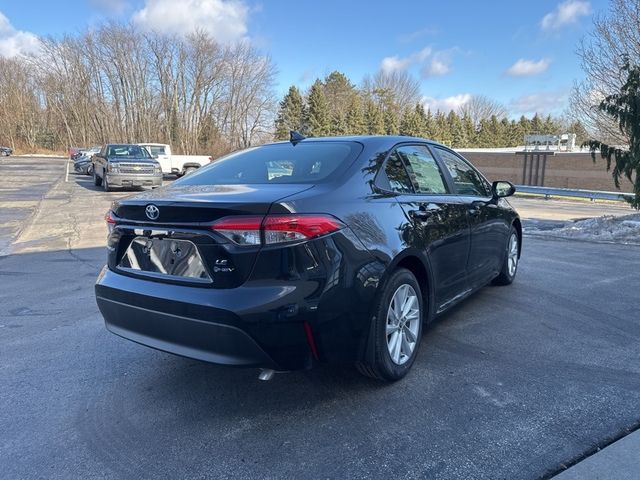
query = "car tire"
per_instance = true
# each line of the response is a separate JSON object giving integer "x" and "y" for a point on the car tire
{"x": 90, "y": 170}
{"x": 510, "y": 264}
{"x": 394, "y": 336}
{"x": 189, "y": 170}
{"x": 105, "y": 184}
{"x": 97, "y": 181}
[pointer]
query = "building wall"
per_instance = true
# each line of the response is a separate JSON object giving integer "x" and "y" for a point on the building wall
{"x": 563, "y": 170}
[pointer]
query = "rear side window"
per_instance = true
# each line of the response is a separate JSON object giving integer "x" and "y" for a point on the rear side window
{"x": 466, "y": 179}
{"x": 423, "y": 169}
{"x": 395, "y": 178}
{"x": 307, "y": 162}
{"x": 155, "y": 150}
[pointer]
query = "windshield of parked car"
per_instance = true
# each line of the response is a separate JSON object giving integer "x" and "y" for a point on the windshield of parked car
{"x": 307, "y": 162}
{"x": 127, "y": 151}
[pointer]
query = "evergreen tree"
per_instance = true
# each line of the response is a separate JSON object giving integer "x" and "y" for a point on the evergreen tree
{"x": 373, "y": 119}
{"x": 505, "y": 133}
{"x": 317, "y": 114}
{"x": 429, "y": 124}
{"x": 441, "y": 128}
{"x": 624, "y": 109}
{"x": 536, "y": 124}
{"x": 421, "y": 120}
{"x": 456, "y": 132}
{"x": 290, "y": 114}
{"x": 355, "y": 124}
{"x": 338, "y": 91}
{"x": 469, "y": 130}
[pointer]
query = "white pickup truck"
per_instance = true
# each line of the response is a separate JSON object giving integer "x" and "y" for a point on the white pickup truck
{"x": 176, "y": 164}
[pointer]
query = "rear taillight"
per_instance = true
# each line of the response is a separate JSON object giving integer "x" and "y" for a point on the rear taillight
{"x": 210, "y": 159}
{"x": 110, "y": 218}
{"x": 273, "y": 229}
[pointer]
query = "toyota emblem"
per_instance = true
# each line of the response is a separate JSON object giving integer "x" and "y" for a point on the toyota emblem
{"x": 152, "y": 212}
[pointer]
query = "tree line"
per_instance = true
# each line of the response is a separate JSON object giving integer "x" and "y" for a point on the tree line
{"x": 334, "y": 106}
{"x": 118, "y": 84}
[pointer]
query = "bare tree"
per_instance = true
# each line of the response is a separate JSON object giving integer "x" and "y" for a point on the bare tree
{"x": 615, "y": 33}
{"x": 400, "y": 86}
{"x": 480, "y": 108}
{"x": 115, "y": 83}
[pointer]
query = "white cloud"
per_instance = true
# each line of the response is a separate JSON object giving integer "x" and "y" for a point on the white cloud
{"x": 440, "y": 64}
{"x": 224, "y": 20}
{"x": 528, "y": 68}
{"x": 565, "y": 13}
{"x": 540, "y": 102}
{"x": 398, "y": 64}
{"x": 15, "y": 42}
{"x": 434, "y": 63}
{"x": 446, "y": 104}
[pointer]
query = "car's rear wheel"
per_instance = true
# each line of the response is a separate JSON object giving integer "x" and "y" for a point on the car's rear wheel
{"x": 97, "y": 181}
{"x": 396, "y": 329}
{"x": 510, "y": 265}
{"x": 189, "y": 170}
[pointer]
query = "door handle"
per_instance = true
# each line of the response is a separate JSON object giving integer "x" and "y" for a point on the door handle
{"x": 420, "y": 214}
{"x": 475, "y": 207}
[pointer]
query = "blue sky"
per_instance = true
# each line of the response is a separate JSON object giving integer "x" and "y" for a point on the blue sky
{"x": 519, "y": 53}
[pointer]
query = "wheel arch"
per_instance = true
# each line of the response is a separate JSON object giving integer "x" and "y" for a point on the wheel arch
{"x": 418, "y": 264}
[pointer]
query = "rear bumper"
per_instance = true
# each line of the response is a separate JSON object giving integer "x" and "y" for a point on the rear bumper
{"x": 181, "y": 335}
{"x": 132, "y": 180}
{"x": 203, "y": 323}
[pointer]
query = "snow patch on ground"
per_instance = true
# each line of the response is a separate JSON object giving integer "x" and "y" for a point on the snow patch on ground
{"x": 621, "y": 229}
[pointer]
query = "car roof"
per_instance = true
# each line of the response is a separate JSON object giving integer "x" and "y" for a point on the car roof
{"x": 370, "y": 140}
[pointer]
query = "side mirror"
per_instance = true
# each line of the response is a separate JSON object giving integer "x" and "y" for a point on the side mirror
{"x": 502, "y": 188}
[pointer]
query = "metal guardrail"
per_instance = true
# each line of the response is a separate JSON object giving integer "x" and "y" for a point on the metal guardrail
{"x": 568, "y": 192}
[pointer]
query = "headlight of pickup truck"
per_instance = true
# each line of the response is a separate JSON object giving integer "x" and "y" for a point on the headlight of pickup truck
{"x": 157, "y": 169}
{"x": 112, "y": 167}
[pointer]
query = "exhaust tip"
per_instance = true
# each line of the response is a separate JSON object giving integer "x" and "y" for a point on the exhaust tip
{"x": 266, "y": 374}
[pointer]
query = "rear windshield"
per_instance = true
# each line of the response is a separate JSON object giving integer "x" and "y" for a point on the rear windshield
{"x": 127, "y": 151}
{"x": 307, "y": 162}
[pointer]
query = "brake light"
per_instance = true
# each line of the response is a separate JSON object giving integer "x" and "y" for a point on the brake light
{"x": 110, "y": 218}
{"x": 210, "y": 159}
{"x": 273, "y": 229}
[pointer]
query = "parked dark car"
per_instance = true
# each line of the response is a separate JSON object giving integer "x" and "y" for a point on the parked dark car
{"x": 5, "y": 151}
{"x": 340, "y": 254}
{"x": 124, "y": 165}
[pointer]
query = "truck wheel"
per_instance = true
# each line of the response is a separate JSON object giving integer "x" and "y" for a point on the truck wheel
{"x": 189, "y": 170}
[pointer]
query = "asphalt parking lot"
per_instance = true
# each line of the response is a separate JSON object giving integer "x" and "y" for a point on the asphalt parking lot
{"x": 515, "y": 383}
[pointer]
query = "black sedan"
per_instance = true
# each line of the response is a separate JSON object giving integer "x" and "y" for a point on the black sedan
{"x": 316, "y": 250}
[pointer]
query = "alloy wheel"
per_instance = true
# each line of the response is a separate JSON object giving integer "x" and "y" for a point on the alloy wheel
{"x": 403, "y": 324}
{"x": 512, "y": 255}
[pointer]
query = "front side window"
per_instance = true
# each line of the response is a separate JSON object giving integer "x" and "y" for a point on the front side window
{"x": 466, "y": 179}
{"x": 424, "y": 170}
